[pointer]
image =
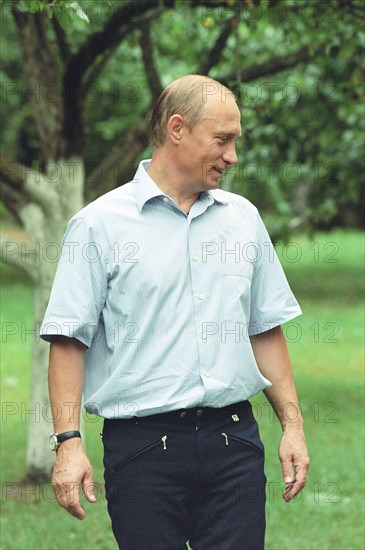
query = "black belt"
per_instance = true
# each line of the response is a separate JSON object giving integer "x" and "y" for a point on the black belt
{"x": 234, "y": 408}
{"x": 196, "y": 412}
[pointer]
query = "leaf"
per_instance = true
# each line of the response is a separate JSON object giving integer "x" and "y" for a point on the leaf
{"x": 75, "y": 6}
{"x": 72, "y": 17}
{"x": 65, "y": 19}
{"x": 31, "y": 6}
{"x": 22, "y": 6}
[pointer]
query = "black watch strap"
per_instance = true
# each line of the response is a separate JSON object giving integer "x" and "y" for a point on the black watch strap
{"x": 67, "y": 435}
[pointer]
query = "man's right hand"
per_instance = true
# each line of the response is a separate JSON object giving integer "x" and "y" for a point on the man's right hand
{"x": 72, "y": 471}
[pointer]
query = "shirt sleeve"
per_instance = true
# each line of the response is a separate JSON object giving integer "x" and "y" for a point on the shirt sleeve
{"x": 80, "y": 285}
{"x": 272, "y": 300}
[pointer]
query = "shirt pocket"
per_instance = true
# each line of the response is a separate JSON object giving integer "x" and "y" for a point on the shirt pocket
{"x": 235, "y": 260}
{"x": 235, "y": 296}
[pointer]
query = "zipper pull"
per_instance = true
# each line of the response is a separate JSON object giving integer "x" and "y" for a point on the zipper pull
{"x": 225, "y": 437}
{"x": 163, "y": 439}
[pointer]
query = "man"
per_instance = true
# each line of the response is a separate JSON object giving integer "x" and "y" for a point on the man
{"x": 166, "y": 311}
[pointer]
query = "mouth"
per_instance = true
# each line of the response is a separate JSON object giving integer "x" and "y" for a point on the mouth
{"x": 219, "y": 170}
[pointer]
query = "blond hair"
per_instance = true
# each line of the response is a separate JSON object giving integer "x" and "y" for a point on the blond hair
{"x": 187, "y": 96}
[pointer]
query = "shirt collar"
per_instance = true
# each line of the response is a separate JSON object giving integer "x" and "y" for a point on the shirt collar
{"x": 145, "y": 188}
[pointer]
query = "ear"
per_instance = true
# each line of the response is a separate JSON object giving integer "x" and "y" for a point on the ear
{"x": 174, "y": 128}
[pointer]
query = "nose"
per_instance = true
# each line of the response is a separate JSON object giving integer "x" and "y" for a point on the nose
{"x": 229, "y": 156}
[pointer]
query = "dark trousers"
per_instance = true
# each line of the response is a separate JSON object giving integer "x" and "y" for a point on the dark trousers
{"x": 192, "y": 475}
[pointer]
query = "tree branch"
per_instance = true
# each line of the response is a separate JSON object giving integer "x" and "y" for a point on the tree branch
{"x": 12, "y": 173}
{"x": 215, "y": 52}
{"x": 153, "y": 78}
{"x": 12, "y": 200}
{"x": 41, "y": 75}
{"x": 14, "y": 253}
{"x": 12, "y": 186}
{"x": 276, "y": 64}
{"x": 93, "y": 73}
{"x": 61, "y": 41}
{"x": 21, "y": 182}
{"x": 121, "y": 22}
{"x": 120, "y": 162}
{"x": 356, "y": 11}
{"x": 101, "y": 60}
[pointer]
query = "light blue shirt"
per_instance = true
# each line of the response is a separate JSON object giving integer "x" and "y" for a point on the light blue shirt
{"x": 165, "y": 301}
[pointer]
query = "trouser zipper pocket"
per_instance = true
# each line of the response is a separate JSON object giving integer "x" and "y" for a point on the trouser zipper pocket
{"x": 134, "y": 454}
{"x": 245, "y": 442}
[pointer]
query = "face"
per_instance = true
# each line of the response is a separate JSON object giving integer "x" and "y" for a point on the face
{"x": 209, "y": 149}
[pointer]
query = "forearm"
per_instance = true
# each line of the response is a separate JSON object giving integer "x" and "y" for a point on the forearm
{"x": 72, "y": 468}
{"x": 66, "y": 380}
{"x": 272, "y": 357}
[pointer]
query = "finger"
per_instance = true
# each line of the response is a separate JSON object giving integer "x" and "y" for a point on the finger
{"x": 76, "y": 510}
{"x": 68, "y": 497}
{"x": 292, "y": 490}
{"x": 301, "y": 474}
{"x": 88, "y": 487}
{"x": 294, "y": 487}
{"x": 287, "y": 468}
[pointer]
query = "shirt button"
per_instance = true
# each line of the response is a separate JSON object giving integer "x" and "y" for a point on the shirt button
{"x": 195, "y": 258}
{"x": 183, "y": 414}
{"x": 200, "y": 296}
{"x": 207, "y": 374}
{"x": 199, "y": 412}
{"x": 165, "y": 199}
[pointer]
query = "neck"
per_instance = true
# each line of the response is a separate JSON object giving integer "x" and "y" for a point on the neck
{"x": 167, "y": 178}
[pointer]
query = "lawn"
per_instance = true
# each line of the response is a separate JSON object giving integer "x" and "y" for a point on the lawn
{"x": 326, "y": 345}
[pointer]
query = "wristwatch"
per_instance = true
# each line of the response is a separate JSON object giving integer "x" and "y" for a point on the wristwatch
{"x": 56, "y": 439}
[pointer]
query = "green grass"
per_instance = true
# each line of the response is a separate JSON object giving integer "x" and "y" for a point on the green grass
{"x": 326, "y": 345}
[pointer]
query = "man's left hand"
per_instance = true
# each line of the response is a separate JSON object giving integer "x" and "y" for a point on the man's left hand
{"x": 294, "y": 460}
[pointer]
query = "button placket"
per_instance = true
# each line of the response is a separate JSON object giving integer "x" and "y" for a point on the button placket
{"x": 199, "y": 277}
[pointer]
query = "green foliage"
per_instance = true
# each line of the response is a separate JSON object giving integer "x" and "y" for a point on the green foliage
{"x": 303, "y": 128}
{"x": 301, "y": 156}
{"x": 70, "y": 15}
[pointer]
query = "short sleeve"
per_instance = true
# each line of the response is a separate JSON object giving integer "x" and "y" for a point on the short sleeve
{"x": 272, "y": 300}
{"x": 80, "y": 285}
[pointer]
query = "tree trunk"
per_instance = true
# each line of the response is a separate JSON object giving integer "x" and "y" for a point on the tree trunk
{"x": 45, "y": 232}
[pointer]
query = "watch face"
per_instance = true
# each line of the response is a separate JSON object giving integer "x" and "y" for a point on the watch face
{"x": 53, "y": 442}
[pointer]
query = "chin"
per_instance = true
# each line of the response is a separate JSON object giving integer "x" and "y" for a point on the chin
{"x": 213, "y": 183}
